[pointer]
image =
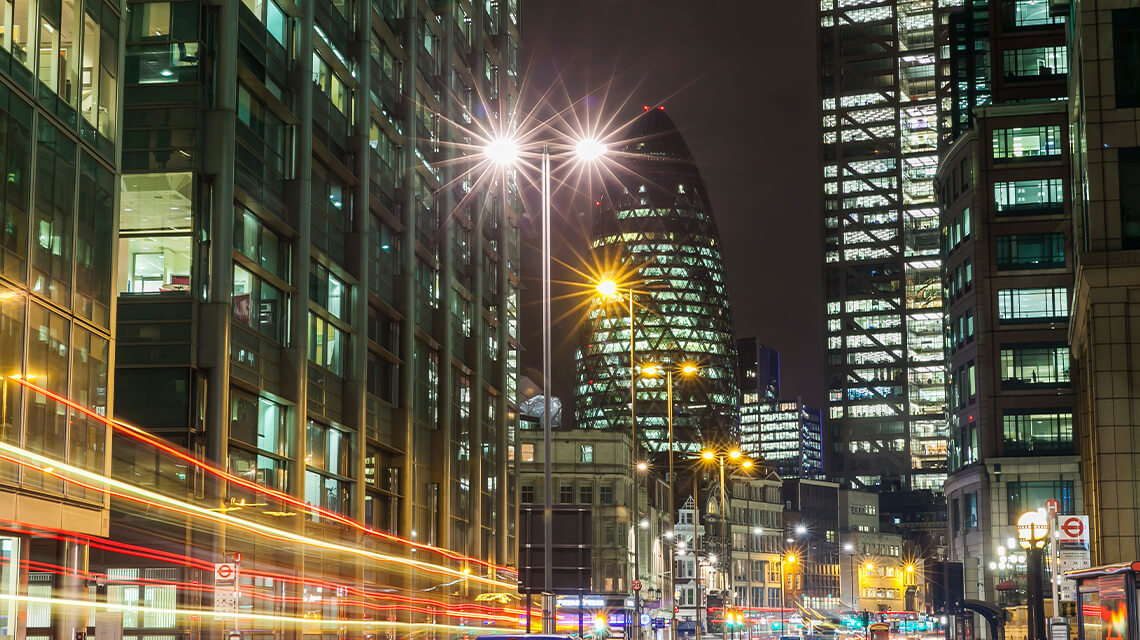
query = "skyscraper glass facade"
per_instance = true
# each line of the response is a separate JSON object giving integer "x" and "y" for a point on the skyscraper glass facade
{"x": 880, "y": 115}
{"x": 655, "y": 220}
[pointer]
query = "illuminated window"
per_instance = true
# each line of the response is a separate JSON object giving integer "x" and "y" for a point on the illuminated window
{"x": 1026, "y": 142}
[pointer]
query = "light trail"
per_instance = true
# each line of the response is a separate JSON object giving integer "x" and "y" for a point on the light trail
{"x": 143, "y": 436}
{"x": 122, "y": 489}
{"x": 187, "y": 561}
{"x": 257, "y": 593}
{"x": 264, "y": 617}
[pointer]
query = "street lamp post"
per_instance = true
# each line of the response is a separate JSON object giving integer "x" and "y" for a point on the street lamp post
{"x": 1032, "y": 533}
{"x": 722, "y": 457}
{"x": 789, "y": 559}
{"x": 685, "y": 369}
{"x": 505, "y": 152}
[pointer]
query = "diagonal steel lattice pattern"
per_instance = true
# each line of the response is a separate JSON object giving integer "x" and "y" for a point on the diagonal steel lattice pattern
{"x": 655, "y": 221}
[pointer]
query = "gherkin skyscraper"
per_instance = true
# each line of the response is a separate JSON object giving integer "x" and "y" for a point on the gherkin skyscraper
{"x": 654, "y": 221}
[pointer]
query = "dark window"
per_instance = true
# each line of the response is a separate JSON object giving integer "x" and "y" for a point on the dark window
{"x": 1031, "y": 251}
{"x": 1126, "y": 56}
{"x": 586, "y": 494}
{"x": 566, "y": 494}
{"x": 606, "y": 495}
{"x": 1037, "y": 432}
{"x": 526, "y": 495}
{"x": 1129, "y": 167}
{"x": 971, "y": 511}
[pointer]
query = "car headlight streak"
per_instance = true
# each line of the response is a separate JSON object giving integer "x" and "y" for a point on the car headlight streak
{"x": 125, "y": 490}
{"x": 143, "y": 436}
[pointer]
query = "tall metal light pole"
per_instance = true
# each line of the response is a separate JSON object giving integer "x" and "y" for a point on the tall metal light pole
{"x": 505, "y": 152}
{"x": 722, "y": 457}
{"x": 653, "y": 370}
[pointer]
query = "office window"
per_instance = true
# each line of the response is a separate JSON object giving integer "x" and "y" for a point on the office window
{"x": 330, "y": 84}
{"x": 53, "y": 214}
{"x": 328, "y": 344}
{"x": 1030, "y": 496}
{"x": 256, "y": 241}
{"x": 586, "y": 453}
{"x": 1050, "y": 303}
{"x": 566, "y": 494}
{"x": 1129, "y": 171}
{"x": 1026, "y": 142}
{"x": 586, "y": 494}
{"x": 1029, "y": 197}
{"x": 1031, "y": 251}
{"x": 99, "y": 77}
{"x": 329, "y": 462}
{"x": 526, "y": 494}
{"x": 1020, "y": 14}
{"x": 275, "y": 21}
{"x": 971, "y": 507}
{"x": 1027, "y": 365}
{"x": 1126, "y": 56}
{"x": 260, "y": 427}
{"x": 527, "y": 452}
{"x": 155, "y": 244}
{"x": 1036, "y": 62}
{"x": 259, "y": 305}
{"x": 1029, "y": 432}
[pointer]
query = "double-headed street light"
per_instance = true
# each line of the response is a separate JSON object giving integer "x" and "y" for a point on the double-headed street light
{"x": 685, "y": 369}
{"x": 506, "y": 152}
{"x": 722, "y": 457}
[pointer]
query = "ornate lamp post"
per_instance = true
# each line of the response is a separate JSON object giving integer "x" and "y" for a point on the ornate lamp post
{"x": 1032, "y": 534}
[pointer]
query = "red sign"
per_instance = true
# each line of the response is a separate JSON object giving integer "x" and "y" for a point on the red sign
{"x": 1073, "y": 527}
{"x": 1053, "y": 506}
{"x": 636, "y": 585}
{"x": 224, "y": 572}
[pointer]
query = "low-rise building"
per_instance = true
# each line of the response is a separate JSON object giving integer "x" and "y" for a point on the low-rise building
{"x": 596, "y": 469}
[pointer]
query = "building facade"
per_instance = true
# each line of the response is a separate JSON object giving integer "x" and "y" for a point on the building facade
{"x": 1003, "y": 184}
{"x": 1104, "y": 50}
{"x": 654, "y": 222}
{"x": 595, "y": 469}
{"x": 811, "y": 551}
{"x": 61, "y": 70}
{"x": 880, "y": 117}
{"x": 304, "y": 305}
{"x": 787, "y": 437}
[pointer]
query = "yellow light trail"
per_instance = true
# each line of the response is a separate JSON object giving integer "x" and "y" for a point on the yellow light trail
{"x": 53, "y": 467}
{"x": 265, "y": 617}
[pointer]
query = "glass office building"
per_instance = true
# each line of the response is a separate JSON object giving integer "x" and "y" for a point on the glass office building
{"x": 60, "y": 70}
{"x": 301, "y": 301}
{"x": 880, "y": 126}
{"x": 655, "y": 220}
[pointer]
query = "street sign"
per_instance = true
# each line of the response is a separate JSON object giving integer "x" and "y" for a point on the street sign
{"x": 224, "y": 572}
{"x": 636, "y": 584}
{"x": 1053, "y": 506}
{"x": 1073, "y": 552}
{"x": 645, "y": 619}
{"x": 225, "y": 600}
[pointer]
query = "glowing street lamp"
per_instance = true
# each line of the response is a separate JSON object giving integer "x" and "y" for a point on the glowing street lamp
{"x": 505, "y": 152}
{"x": 732, "y": 456}
{"x": 589, "y": 149}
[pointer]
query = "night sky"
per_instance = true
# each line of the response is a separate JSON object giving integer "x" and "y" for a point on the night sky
{"x": 739, "y": 80}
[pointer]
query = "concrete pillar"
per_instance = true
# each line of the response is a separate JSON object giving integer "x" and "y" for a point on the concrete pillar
{"x": 71, "y": 584}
